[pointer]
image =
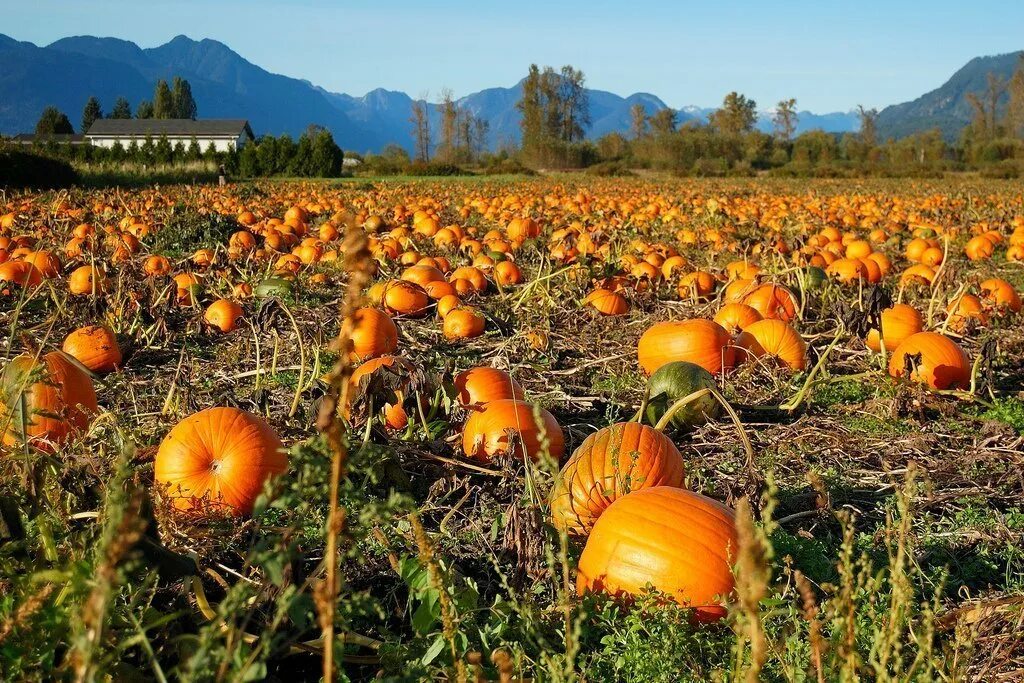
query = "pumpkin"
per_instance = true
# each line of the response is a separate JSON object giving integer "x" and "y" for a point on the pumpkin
{"x": 507, "y": 273}
{"x": 463, "y": 322}
{"x": 477, "y": 387}
{"x": 964, "y": 309}
{"x": 699, "y": 341}
{"x": 273, "y": 286}
{"x": 86, "y": 280}
{"x": 45, "y": 401}
{"x": 20, "y": 273}
{"x": 223, "y": 314}
{"x": 943, "y": 364}
{"x": 607, "y": 302}
{"x": 95, "y": 347}
{"x": 979, "y": 248}
{"x": 735, "y": 317}
{"x": 218, "y": 459}
{"x": 401, "y": 297}
{"x": 898, "y": 322}
{"x": 774, "y": 339}
{"x": 679, "y": 542}
{"x": 609, "y": 464}
{"x": 373, "y": 333}
{"x": 773, "y": 301}
{"x": 675, "y": 381}
{"x": 157, "y": 266}
{"x": 1000, "y": 295}
{"x": 508, "y": 426}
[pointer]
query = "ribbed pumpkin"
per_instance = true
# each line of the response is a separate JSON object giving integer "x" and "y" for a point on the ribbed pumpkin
{"x": 775, "y": 339}
{"x": 1001, "y": 295}
{"x": 45, "y": 401}
{"x": 373, "y": 333}
{"x": 898, "y": 323}
{"x": 223, "y": 314}
{"x": 463, "y": 322}
{"x": 478, "y": 386}
{"x": 95, "y": 347}
{"x": 679, "y": 542}
{"x": 507, "y": 425}
{"x": 218, "y": 460}
{"x": 943, "y": 363}
{"x": 405, "y": 298}
{"x": 735, "y": 317}
{"x": 607, "y": 302}
{"x": 610, "y": 463}
{"x": 675, "y": 381}
{"x": 699, "y": 341}
{"x": 773, "y": 302}
{"x": 962, "y": 310}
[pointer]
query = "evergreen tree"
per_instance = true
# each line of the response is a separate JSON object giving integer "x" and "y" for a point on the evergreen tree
{"x": 162, "y": 151}
{"x": 284, "y": 150}
{"x": 117, "y": 152}
{"x": 134, "y": 153}
{"x": 54, "y": 122}
{"x": 266, "y": 154}
{"x": 326, "y": 157}
{"x": 195, "y": 153}
{"x": 147, "y": 150}
{"x": 300, "y": 164}
{"x": 144, "y": 110}
{"x": 91, "y": 112}
{"x": 122, "y": 109}
{"x": 184, "y": 103}
{"x": 163, "y": 101}
{"x": 784, "y": 120}
{"x": 737, "y": 115}
{"x": 249, "y": 162}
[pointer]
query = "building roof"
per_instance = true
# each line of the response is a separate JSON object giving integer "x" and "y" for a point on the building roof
{"x": 201, "y": 128}
{"x": 31, "y": 138}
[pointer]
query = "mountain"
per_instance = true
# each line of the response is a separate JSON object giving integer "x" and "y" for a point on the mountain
{"x": 946, "y": 107}
{"x": 225, "y": 85}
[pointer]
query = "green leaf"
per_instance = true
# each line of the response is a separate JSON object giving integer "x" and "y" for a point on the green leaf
{"x": 436, "y": 648}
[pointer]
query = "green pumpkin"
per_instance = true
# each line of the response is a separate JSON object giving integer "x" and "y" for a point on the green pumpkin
{"x": 814, "y": 278}
{"x": 674, "y": 381}
{"x": 273, "y": 286}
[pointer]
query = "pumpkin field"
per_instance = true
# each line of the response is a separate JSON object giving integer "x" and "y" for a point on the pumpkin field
{"x": 507, "y": 428}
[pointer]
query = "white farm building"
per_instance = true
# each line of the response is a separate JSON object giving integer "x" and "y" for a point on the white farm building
{"x": 223, "y": 134}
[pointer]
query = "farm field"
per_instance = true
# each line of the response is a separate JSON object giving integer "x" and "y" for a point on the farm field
{"x": 684, "y": 451}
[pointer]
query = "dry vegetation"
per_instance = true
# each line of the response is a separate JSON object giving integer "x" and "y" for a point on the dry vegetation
{"x": 879, "y": 522}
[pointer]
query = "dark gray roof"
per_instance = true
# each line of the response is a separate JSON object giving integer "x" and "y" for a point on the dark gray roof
{"x": 176, "y": 127}
{"x": 31, "y": 138}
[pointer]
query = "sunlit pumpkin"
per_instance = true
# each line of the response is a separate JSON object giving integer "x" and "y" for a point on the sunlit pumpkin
{"x": 95, "y": 347}
{"x": 508, "y": 426}
{"x": 699, "y": 341}
{"x": 477, "y": 387}
{"x": 45, "y": 401}
{"x": 773, "y": 339}
{"x": 941, "y": 363}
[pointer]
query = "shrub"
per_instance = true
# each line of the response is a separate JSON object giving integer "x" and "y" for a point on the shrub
{"x": 19, "y": 168}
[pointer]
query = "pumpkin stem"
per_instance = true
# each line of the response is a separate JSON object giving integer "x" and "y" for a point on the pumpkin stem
{"x": 666, "y": 419}
{"x": 798, "y": 399}
{"x": 638, "y": 417}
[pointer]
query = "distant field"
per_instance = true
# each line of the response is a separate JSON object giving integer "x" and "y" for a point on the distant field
{"x": 693, "y": 456}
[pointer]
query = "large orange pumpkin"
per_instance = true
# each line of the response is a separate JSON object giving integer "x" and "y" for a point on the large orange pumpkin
{"x": 699, "y": 341}
{"x": 609, "y": 464}
{"x": 773, "y": 301}
{"x": 774, "y": 339}
{"x": 95, "y": 347}
{"x": 679, "y": 542}
{"x": 735, "y": 317}
{"x": 218, "y": 459}
{"x": 509, "y": 426}
{"x": 898, "y": 323}
{"x": 478, "y": 386}
{"x": 943, "y": 364}
{"x": 45, "y": 401}
{"x": 373, "y": 333}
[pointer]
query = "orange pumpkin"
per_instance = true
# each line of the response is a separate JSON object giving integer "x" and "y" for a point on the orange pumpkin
{"x": 773, "y": 301}
{"x": 218, "y": 460}
{"x": 736, "y": 317}
{"x": 962, "y": 310}
{"x": 373, "y": 333}
{"x": 943, "y": 364}
{"x": 1000, "y": 295}
{"x": 699, "y": 341}
{"x": 86, "y": 280}
{"x": 404, "y": 298}
{"x": 679, "y": 542}
{"x": 607, "y": 302}
{"x": 898, "y": 323}
{"x": 477, "y": 387}
{"x": 463, "y": 322}
{"x": 508, "y": 426}
{"x": 46, "y": 401}
{"x": 774, "y": 339}
{"x": 20, "y": 273}
{"x": 223, "y": 314}
{"x": 610, "y": 463}
{"x": 95, "y": 347}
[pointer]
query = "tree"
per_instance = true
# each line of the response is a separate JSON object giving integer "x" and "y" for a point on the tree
{"x": 421, "y": 129}
{"x": 144, "y": 110}
{"x": 664, "y": 121}
{"x": 555, "y": 112}
{"x": 446, "y": 149}
{"x": 574, "y": 104}
{"x": 163, "y": 152}
{"x": 737, "y": 115}
{"x": 163, "y": 101}
{"x": 531, "y": 114}
{"x": 326, "y": 157}
{"x": 91, "y": 112}
{"x": 868, "y": 129}
{"x": 122, "y": 109}
{"x": 184, "y": 104}
{"x": 54, "y": 122}
{"x": 784, "y": 119}
{"x": 1015, "y": 107}
{"x": 637, "y": 121}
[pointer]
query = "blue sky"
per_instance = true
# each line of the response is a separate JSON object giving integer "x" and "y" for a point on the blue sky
{"x": 830, "y": 55}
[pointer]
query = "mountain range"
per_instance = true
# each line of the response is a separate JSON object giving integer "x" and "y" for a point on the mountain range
{"x": 225, "y": 85}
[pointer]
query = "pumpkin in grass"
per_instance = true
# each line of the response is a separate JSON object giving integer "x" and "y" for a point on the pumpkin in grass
{"x": 87, "y": 280}
{"x": 390, "y": 393}
{"x": 679, "y": 542}
{"x": 675, "y": 381}
{"x": 610, "y": 463}
{"x": 477, "y": 387}
{"x": 218, "y": 460}
{"x": 773, "y": 302}
{"x": 898, "y": 322}
{"x": 95, "y": 347}
{"x": 735, "y": 317}
{"x": 373, "y": 333}
{"x": 699, "y": 341}
{"x": 934, "y": 360}
{"x": 774, "y": 339}
{"x": 45, "y": 401}
{"x": 607, "y": 302}
{"x": 507, "y": 273}
{"x": 1000, "y": 295}
{"x": 223, "y": 314}
{"x": 463, "y": 322}
{"x": 508, "y": 426}
{"x": 19, "y": 273}
{"x": 964, "y": 309}
{"x": 401, "y": 297}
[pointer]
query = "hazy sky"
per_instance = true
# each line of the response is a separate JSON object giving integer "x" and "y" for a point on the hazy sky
{"x": 829, "y": 55}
